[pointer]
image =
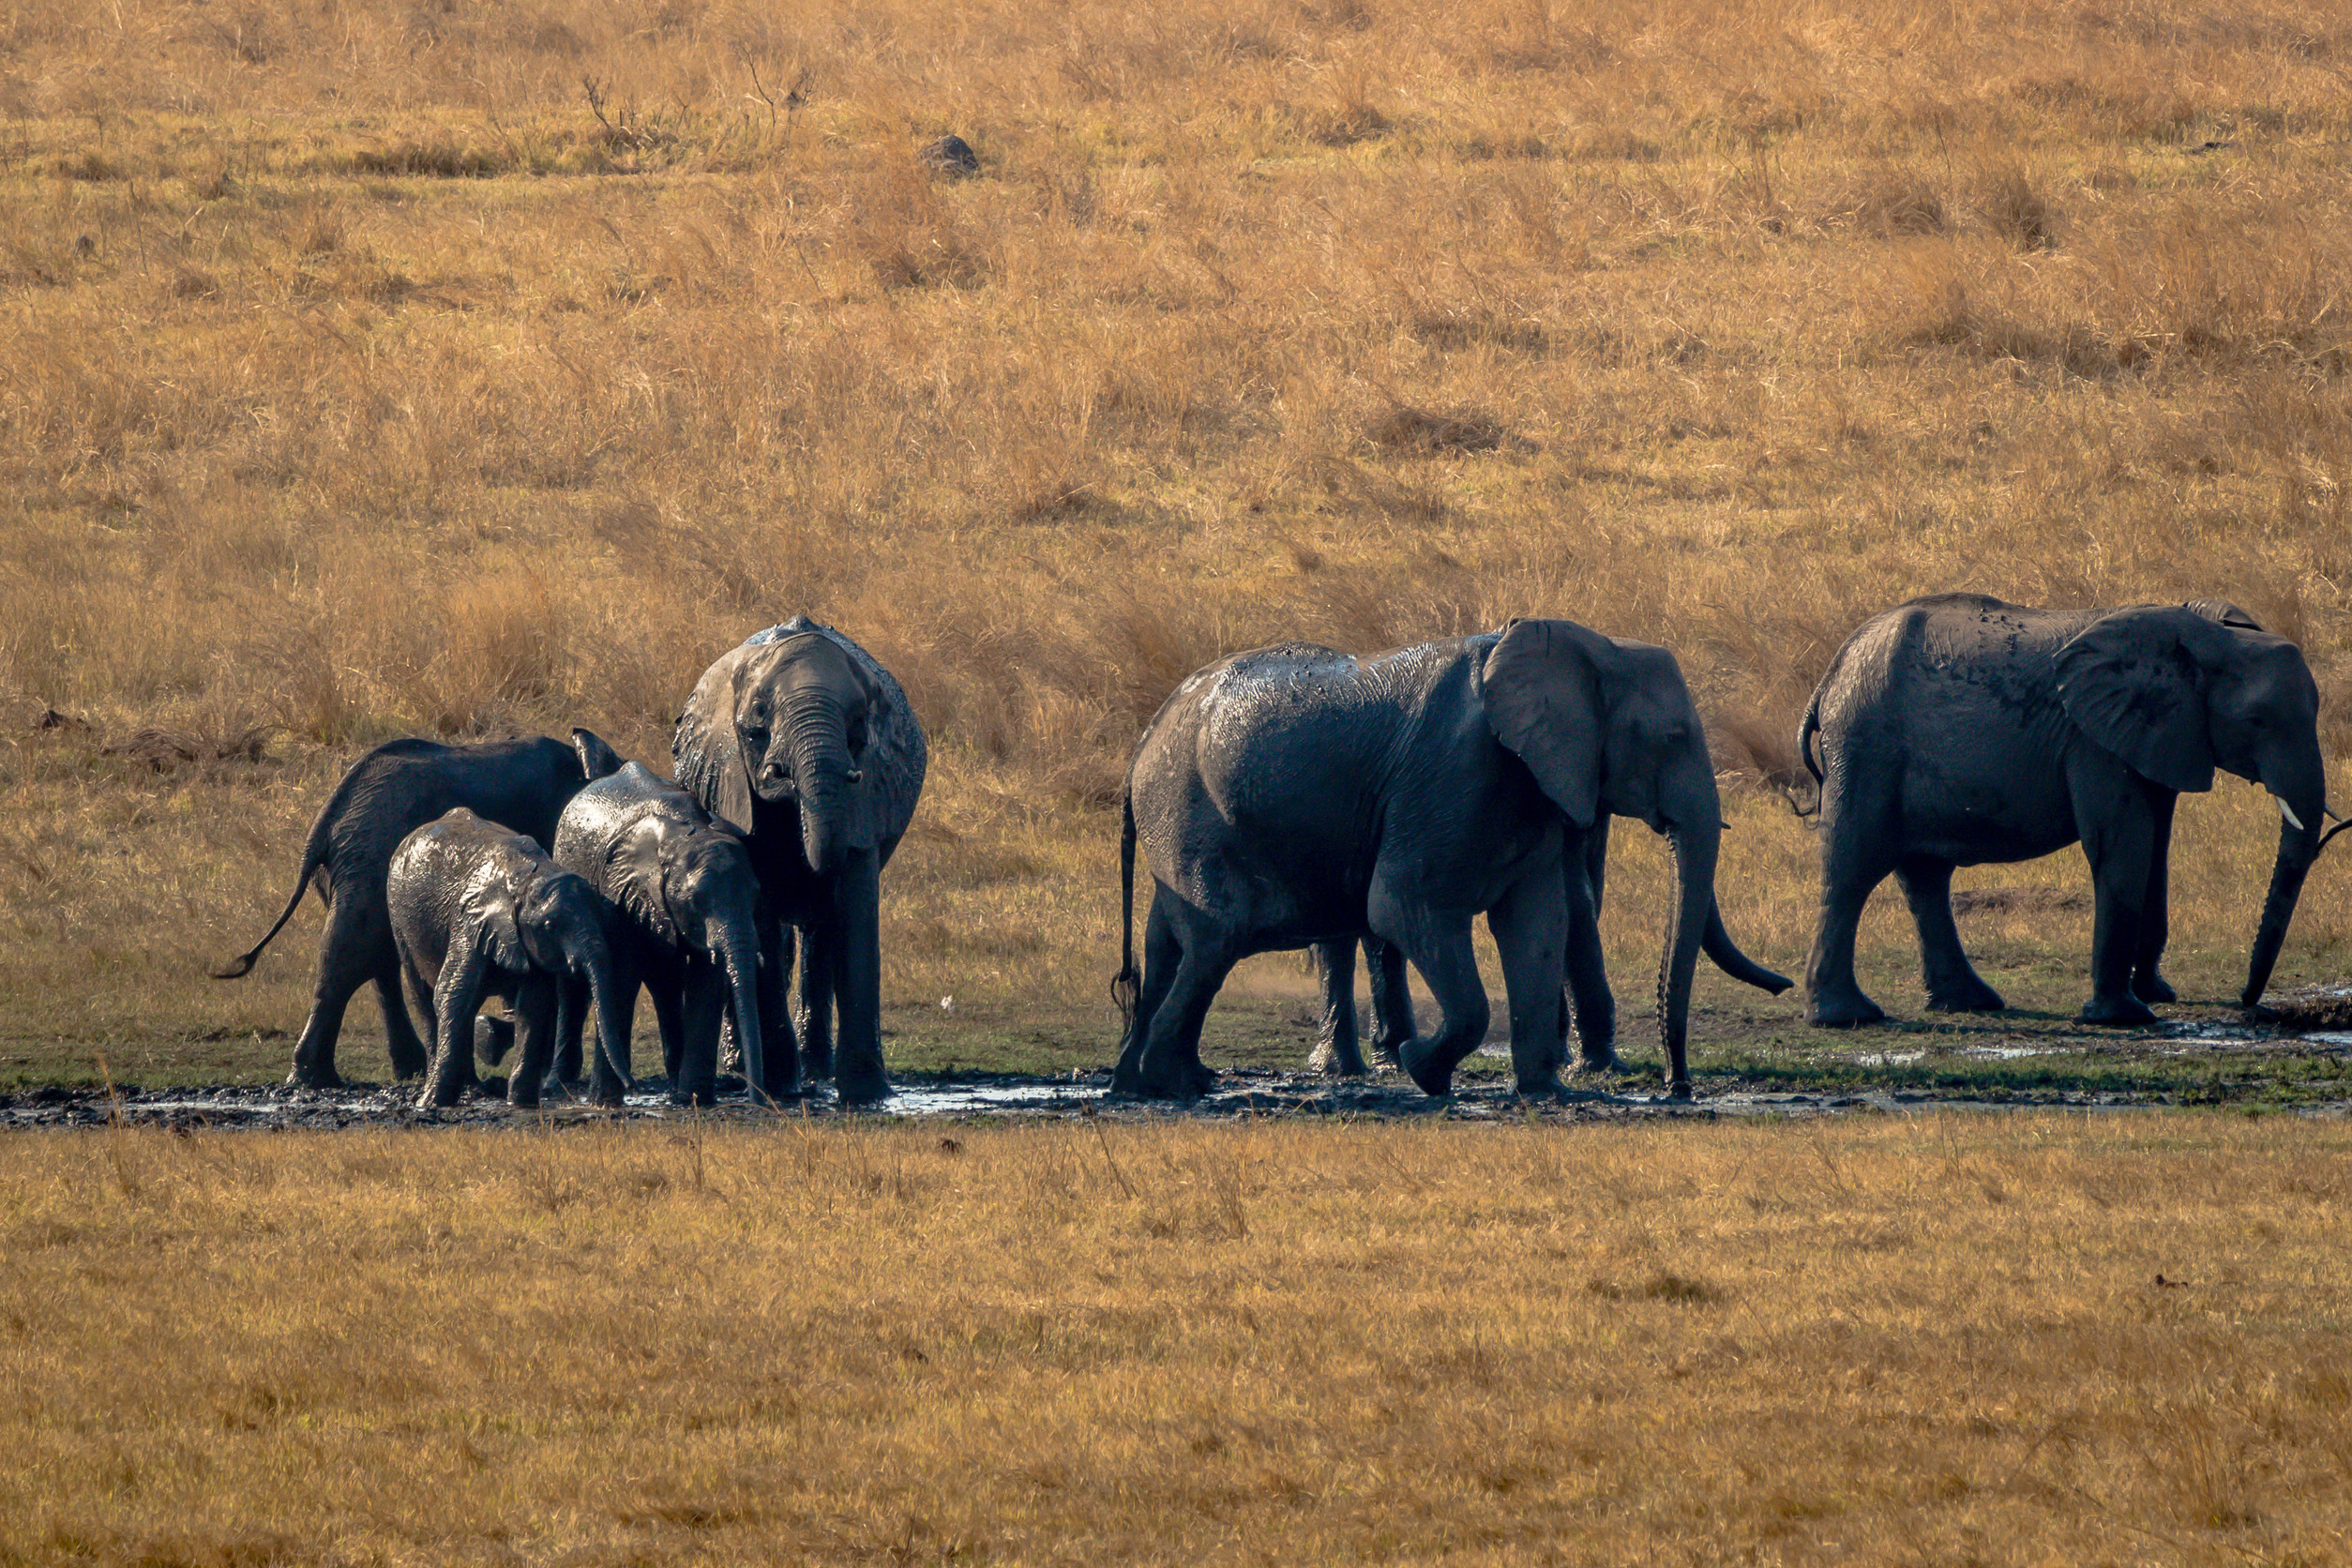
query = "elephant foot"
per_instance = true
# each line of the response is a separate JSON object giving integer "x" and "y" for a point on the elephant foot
{"x": 1546, "y": 1088}
{"x": 1851, "y": 1011}
{"x": 1329, "y": 1063}
{"x": 2152, "y": 987}
{"x": 1681, "y": 1093}
{"x": 862, "y": 1090}
{"x": 1422, "y": 1065}
{"x": 1971, "y": 995}
{"x": 1601, "y": 1059}
{"x": 2124, "y": 1012}
{"x": 313, "y": 1077}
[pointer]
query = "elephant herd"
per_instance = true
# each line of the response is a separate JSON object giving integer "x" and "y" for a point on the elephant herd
{"x": 1292, "y": 797}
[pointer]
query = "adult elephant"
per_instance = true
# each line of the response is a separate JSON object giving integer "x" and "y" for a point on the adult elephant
{"x": 394, "y": 790}
{"x": 801, "y": 741}
{"x": 688, "y": 930}
{"x": 1295, "y": 795}
{"x": 1957, "y": 730}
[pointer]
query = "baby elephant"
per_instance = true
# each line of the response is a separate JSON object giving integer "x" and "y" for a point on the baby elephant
{"x": 480, "y": 912}
{"x": 690, "y": 929}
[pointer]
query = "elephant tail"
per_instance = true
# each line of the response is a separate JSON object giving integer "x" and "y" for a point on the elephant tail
{"x": 314, "y": 857}
{"x": 1129, "y": 985}
{"x": 1805, "y": 733}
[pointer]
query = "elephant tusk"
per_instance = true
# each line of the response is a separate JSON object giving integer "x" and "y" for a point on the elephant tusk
{"x": 2332, "y": 813}
{"x": 2289, "y": 812}
{"x": 855, "y": 776}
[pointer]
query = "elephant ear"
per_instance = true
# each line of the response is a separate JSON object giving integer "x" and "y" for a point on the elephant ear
{"x": 641, "y": 869}
{"x": 597, "y": 760}
{"x": 2223, "y": 613}
{"x": 707, "y": 753}
{"x": 489, "y": 911}
{"x": 2133, "y": 682}
{"x": 1542, "y": 685}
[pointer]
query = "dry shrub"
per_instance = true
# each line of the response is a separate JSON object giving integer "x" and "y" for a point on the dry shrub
{"x": 2005, "y": 199}
{"x": 160, "y": 749}
{"x": 1405, "y": 428}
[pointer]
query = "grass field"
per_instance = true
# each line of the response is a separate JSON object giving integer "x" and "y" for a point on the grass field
{"x": 2031, "y": 1339}
{"x": 373, "y": 368}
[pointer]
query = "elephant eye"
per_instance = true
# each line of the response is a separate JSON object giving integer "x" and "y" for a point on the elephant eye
{"x": 857, "y": 733}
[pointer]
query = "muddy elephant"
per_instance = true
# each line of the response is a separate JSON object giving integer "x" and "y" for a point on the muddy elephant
{"x": 1958, "y": 729}
{"x": 799, "y": 739}
{"x": 391, "y": 792}
{"x": 479, "y": 912}
{"x": 1295, "y": 795}
{"x": 689, "y": 932}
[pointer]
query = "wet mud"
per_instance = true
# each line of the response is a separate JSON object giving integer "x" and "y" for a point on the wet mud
{"x": 1238, "y": 1093}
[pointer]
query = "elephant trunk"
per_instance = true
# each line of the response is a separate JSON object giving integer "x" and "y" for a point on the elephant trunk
{"x": 826, "y": 779}
{"x": 605, "y": 1000}
{"x": 737, "y": 952}
{"x": 1727, "y": 957}
{"x": 2298, "y": 784}
{"x": 1694, "y": 848}
{"x": 2298, "y": 848}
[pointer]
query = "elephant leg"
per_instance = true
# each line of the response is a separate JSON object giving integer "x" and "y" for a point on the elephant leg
{"x": 1335, "y": 1052}
{"x": 2121, "y": 846}
{"x": 1851, "y": 869}
{"x": 407, "y": 1052}
{"x": 1593, "y": 1003}
{"x": 669, "y": 1019}
{"x": 350, "y": 956}
{"x": 816, "y": 1001}
{"x": 566, "y": 1064}
{"x": 457, "y": 997}
{"x": 1530, "y": 932}
{"x": 2148, "y": 979}
{"x": 1171, "y": 1067}
{"x": 536, "y": 1005}
{"x": 704, "y": 998}
{"x": 1393, "y": 1021}
{"x": 1162, "y": 955}
{"x": 782, "y": 1054}
{"x": 1438, "y": 945}
{"x": 1953, "y": 985}
{"x": 858, "y": 1077}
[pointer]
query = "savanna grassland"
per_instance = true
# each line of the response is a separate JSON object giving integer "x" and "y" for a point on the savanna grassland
{"x": 456, "y": 368}
{"x": 2036, "y": 1340}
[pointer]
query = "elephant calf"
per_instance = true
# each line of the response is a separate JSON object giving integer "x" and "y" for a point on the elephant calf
{"x": 1960, "y": 731}
{"x": 689, "y": 930}
{"x": 478, "y": 912}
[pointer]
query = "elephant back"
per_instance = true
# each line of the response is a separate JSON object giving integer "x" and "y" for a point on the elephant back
{"x": 896, "y": 756}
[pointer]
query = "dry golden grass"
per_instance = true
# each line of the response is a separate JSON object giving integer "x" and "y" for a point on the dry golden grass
{"x": 373, "y": 367}
{"x": 2017, "y": 1340}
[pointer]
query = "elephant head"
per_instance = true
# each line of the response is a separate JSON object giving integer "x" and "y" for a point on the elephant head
{"x": 696, "y": 888}
{"x": 555, "y": 923}
{"x": 1607, "y": 726}
{"x": 800, "y": 712}
{"x": 2177, "y": 694}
